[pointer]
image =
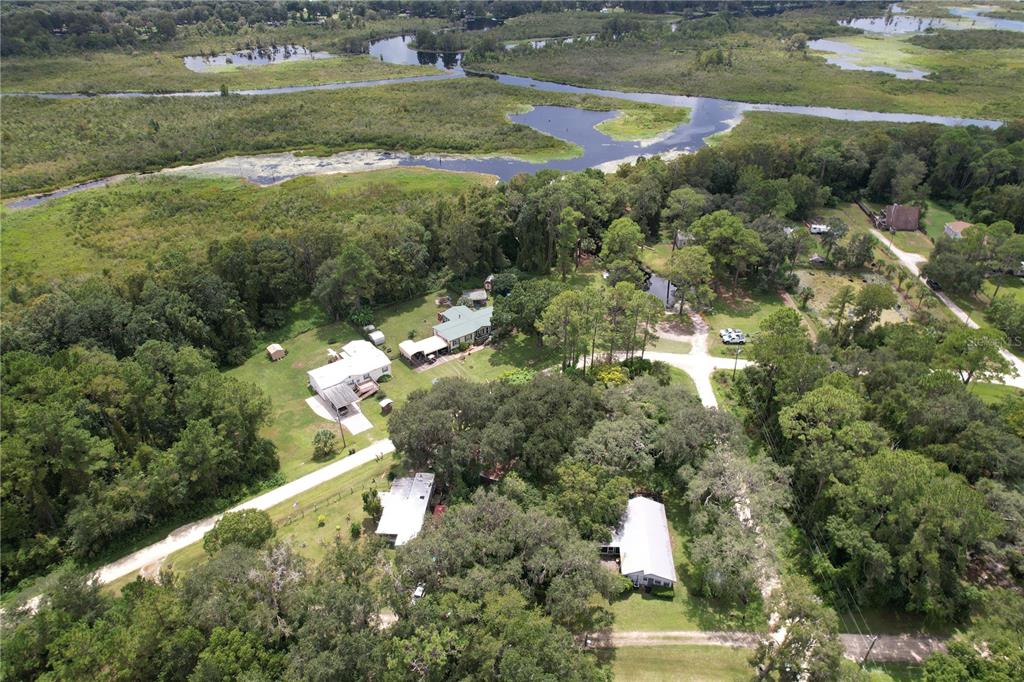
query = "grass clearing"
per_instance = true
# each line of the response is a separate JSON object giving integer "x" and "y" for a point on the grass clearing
{"x": 738, "y": 310}
{"x": 643, "y": 122}
{"x": 827, "y": 283}
{"x": 670, "y": 346}
{"x": 681, "y": 663}
{"x": 657, "y": 256}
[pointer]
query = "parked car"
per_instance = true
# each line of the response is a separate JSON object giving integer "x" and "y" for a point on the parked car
{"x": 734, "y": 337}
{"x": 933, "y": 285}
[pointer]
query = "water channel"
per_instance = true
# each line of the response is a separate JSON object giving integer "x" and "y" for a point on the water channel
{"x": 708, "y": 116}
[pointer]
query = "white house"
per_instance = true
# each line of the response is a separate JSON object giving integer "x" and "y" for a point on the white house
{"x": 643, "y": 545}
{"x": 461, "y": 325}
{"x": 404, "y": 508}
{"x": 354, "y": 374}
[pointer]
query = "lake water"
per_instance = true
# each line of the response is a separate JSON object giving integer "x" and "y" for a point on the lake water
{"x": 960, "y": 19}
{"x": 255, "y": 57}
{"x": 397, "y": 51}
{"x": 845, "y": 55}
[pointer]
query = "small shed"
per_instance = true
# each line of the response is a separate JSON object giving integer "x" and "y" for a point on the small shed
{"x": 387, "y": 405}
{"x": 489, "y": 282}
{"x": 276, "y": 351}
{"x": 478, "y": 297}
{"x": 376, "y": 337}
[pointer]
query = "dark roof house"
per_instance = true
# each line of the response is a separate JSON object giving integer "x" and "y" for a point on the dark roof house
{"x": 902, "y": 218}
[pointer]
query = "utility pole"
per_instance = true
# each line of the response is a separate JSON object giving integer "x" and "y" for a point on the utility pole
{"x": 736, "y": 363}
{"x": 874, "y": 638}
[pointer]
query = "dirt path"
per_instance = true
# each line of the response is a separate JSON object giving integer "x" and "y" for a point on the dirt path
{"x": 914, "y": 262}
{"x": 888, "y": 648}
{"x": 787, "y": 298}
{"x": 194, "y": 532}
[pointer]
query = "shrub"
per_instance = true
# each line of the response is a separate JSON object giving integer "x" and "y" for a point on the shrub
{"x": 325, "y": 445}
{"x": 321, "y": 521}
{"x": 355, "y": 530}
{"x": 249, "y": 527}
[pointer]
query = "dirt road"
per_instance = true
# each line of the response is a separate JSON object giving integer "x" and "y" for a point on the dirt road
{"x": 888, "y": 648}
{"x": 194, "y": 532}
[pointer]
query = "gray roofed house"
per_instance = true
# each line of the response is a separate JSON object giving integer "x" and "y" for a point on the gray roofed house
{"x": 644, "y": 545}
{"x": 464, "y": 325}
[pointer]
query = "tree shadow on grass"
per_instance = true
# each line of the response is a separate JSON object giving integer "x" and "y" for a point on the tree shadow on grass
{"x": 521, "y": 351}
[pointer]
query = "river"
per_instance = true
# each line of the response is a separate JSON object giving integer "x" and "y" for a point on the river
{"x": 708, "y": 116}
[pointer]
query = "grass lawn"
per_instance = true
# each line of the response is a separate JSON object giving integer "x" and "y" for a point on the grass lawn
{"x": 656, "y": 257}
{"x": 738, "y": 310}
{"x": 683, "y": 379}
{"x": 678, "y": 663}
{"x": 935, "y": 219}
{"x": 721, "y": 384}
{"x": 640, "y": 123}
{"x": 681, "y": 608}
{"x": 994, "y": 394}
{"x": 670, "y": 346}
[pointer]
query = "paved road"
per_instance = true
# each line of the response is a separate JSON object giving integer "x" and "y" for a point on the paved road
{"x": 194, "y": 532}
{"x": 697, "y": 363}
{"x": 914, "y": 262}
{"x": 888, "y": 648}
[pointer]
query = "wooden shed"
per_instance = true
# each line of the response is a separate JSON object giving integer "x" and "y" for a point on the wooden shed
{"x": 276, "y": 351}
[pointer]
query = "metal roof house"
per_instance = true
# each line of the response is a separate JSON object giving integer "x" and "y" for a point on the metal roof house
{"x": 902, "y": 218}
{"x": 354, "y": 374}
{"x": 404, "y": 508}
{"x": 643, "y": 545}
{"x": 463, "y": 325}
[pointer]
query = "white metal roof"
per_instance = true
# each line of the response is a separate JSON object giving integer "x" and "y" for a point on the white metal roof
{"x": 404, "y": 507}
{"x": 431, "y": 344}
{"x": 643, "y": 540}
{"x": 274, "y": 347}
{"x": 357, "y": 358}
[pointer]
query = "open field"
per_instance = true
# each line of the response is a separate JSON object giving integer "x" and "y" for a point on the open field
{"x": 975, "y": 83}
{"x": 681, "y": 664}
{"x": 163, "y": 72}
{"x": 53, "y": 143}
{"x": 124, "y": 226}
